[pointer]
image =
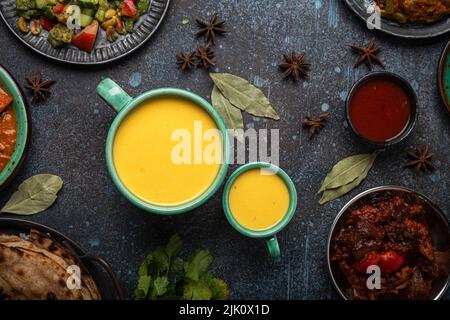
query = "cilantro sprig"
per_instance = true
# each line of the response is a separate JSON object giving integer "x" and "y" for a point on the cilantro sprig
{"x": 164, "y": 275}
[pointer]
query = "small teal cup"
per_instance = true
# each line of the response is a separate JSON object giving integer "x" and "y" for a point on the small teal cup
{"x": 268, "y": 234}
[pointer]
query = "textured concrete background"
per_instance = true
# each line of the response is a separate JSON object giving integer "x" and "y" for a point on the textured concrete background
{"x": 70, "y": 129}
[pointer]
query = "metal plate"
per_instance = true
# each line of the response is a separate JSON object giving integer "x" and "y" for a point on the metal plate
{"x": 103, "y": 51}
{"x": 408, "y": 31}
{"x": 100, "y": 271}
{"x": 437, "y": 222}
{"x": 444, "y": 76}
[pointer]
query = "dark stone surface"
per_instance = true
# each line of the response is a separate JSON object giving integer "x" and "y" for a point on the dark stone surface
{"x": 70, "y": 129}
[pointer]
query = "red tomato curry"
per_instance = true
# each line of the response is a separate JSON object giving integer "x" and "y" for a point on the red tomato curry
{"x": 7, "y": 129}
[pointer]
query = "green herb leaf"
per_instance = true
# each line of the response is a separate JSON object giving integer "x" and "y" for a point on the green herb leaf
{"x": 197, "y": 264}
{"x": 346, "y": 175}
{"x": 143, "y": 269}
{"x": 161, "y": 275}
{"x": 231, "y": 115}
{"x": 161, "y": 284}
{"x": 185, "y": 21}
{"x": 34, "y": 195}
{"x": 139, "y": 294}
{"x": 177, "y": 265}
{"x": 144, "y": 284}
{"x": 347, "y": 170}
{"x": 219, "y": 289}
{"x": 174, "y": 246}
{"x": 160, "y": 263}
{"x": 196, "y": 290}
{"x": 243, "y": 95}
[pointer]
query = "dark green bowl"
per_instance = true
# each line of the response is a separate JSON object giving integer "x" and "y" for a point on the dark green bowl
{"x": 23, "y": 122}
{"x": 444, "y": 76}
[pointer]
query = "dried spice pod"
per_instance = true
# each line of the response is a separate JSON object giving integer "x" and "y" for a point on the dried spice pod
{"x": 294, "y": 66}
{"x": 420, "y": 160}
{"x": 186, "y": 61}
{"x": 211, "y": 29}
{"x": 39, "y": 87}
{"x": 315, "y": 124}
{"x": 205, "y": 57}
{"x": 368, "y": 55}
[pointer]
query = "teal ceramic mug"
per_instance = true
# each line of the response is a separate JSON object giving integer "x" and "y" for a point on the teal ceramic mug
{"x": 268, "y": 234}
{"x": 123, "y": 104}
{"x": 23, "y": 126}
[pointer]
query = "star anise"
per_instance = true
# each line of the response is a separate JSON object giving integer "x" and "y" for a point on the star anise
{"x": 39, "y": 87}
{"x": 205, "y": 56}
{"x": 211, "y": 29}
{"x": 295, "y": 66}
{"x": 367, "y": 55}
{"x": 316, "y": 124}
{"x": 186, "y": 61}
{"x": 420, "y": 160}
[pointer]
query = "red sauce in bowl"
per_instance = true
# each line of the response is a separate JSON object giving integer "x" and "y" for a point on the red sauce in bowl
{"x": 380, "y": 110}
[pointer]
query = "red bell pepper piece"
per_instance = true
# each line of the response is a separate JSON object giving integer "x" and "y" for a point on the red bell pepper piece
{"x": 369, "y": 259}
{"x": 390, "y": 261}
{"x": 59, "y": 8}
{"x": 46, "y": 24}
{"x": 129, "y": 9}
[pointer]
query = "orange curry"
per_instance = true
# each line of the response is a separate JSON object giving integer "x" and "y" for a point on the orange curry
{"x": 7, "y": 129}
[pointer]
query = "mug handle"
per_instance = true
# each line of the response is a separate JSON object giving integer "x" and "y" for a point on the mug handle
{"x": 273, "y": 247}
{"x": 113, "y": 94}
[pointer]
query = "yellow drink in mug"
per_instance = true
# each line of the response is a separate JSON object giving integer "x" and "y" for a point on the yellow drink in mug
{"x": 166, "y": 150}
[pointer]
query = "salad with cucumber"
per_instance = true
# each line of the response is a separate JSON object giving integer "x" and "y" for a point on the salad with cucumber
{"x": 115, "y": 17}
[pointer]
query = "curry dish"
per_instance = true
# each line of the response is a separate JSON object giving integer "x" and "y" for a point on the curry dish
{"x": 393, "y": 235}
{"x": 7, "y": 129}
{"x": 414, "y": 11}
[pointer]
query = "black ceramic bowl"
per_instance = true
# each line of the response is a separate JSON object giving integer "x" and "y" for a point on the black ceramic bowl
{"x": 99, "y": 269}
{"x": 435, "y": 218}
{"x": 412, "y": 98}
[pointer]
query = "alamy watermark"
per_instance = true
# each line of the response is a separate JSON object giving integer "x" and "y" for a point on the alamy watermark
{"x": 374, "y": 280}
{"x": 206, "y": 147}
{"x": 73, "y": 281}
{"x": 373, "y": 20}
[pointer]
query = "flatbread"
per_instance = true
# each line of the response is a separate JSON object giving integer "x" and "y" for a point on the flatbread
{"x": 37, "y": 269}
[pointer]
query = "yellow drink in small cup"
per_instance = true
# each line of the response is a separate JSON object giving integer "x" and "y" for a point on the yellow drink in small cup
{"x": 259, "y": 200}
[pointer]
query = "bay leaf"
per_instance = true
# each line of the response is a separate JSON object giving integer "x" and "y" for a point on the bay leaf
{"x": 231, "y": 115}
{"x": 243, "y": 95}
{"x": 332, "y": 194}
{"x": 34, "y": 195}
{"x": 347, "y": 170}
